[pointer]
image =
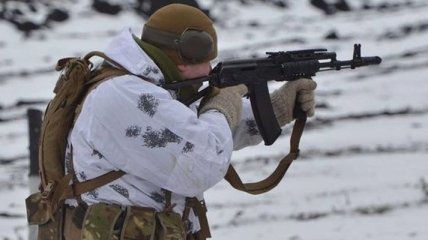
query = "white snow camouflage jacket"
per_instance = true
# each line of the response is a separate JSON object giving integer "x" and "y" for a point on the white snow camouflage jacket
{"x": 136, "y": 126}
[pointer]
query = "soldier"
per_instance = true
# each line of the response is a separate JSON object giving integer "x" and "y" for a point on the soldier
{"x": 171, "y": 153}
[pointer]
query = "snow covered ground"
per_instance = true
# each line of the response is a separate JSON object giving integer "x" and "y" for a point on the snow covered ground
{"x": 363, "y": 171}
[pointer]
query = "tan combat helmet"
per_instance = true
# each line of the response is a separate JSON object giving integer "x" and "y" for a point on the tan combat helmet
{"x": 184, "y": 33}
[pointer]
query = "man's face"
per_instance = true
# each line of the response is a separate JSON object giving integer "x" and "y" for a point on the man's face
{"x": 188, "y": 71}
{"x": 194, "y": 71}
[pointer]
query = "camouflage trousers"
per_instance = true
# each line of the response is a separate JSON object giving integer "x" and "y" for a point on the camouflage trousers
{"x": 112, "y": 222}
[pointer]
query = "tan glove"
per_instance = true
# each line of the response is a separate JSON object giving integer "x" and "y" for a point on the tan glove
{"x": 228, "y": 101}
{"x": 283, "y": 99}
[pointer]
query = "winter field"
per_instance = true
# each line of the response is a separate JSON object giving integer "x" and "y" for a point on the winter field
{"x": 363, "y": 170}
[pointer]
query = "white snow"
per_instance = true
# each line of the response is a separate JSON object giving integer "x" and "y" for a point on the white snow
{"x": 358, "y": 178}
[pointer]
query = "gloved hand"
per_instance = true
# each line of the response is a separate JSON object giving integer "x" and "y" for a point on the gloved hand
{"x": 284, "y": 98}
{"x": 226, "y": 100}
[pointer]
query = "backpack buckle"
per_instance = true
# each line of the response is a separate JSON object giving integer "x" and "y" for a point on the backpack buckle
{"x": 48, "y": 190}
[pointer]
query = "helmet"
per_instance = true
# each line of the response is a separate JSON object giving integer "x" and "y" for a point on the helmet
{"x": 183, "y": 32}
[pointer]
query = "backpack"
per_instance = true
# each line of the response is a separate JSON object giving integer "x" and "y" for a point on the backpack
{"x": 78, "y": 78}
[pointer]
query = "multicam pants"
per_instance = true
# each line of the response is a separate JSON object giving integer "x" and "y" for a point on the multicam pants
{"x": 105, "y": 221}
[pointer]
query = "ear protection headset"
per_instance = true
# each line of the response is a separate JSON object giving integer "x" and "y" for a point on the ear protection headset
{"x": 193, "y": 45}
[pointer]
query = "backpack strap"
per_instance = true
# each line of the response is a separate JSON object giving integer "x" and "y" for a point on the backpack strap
{"x": 116, "y": 66}
{"x": 102, "y": 55}
{"x": 102, "y": 75}
{"x": 63, "y": 189}
{"x": 271, "y": 181}
{"x": 78, "y": 188}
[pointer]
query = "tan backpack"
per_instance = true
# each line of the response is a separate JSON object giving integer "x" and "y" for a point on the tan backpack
{"x": 78, "y": 78}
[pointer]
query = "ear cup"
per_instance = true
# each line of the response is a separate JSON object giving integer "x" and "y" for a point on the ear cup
{"x": 195, "y": 45}
{"x": 165, "y": 27}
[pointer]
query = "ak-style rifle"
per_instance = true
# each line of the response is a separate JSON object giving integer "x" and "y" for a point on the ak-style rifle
{"x": 277, "y": 66}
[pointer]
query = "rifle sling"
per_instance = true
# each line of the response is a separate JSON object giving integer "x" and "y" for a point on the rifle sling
{"x": 271, "y": 181}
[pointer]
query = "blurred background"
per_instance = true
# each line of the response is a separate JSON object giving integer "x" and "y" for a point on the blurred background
{"x": 363, "y": 170}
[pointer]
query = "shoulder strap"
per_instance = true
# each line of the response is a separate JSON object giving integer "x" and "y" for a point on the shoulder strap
{"x": 110, "y": 60}
{"x": 77, "y": 188}
{"x": 102, "y": 55}
{"x": 271, "y": 181}
{"x": 63, "y": 189}
{"x": 104, "y": 74}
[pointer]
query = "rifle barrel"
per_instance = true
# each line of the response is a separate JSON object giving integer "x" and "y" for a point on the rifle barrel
{"x": 358, "y": 62}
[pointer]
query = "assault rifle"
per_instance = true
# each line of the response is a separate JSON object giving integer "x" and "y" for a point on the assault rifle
{"x": 278, "y": 66}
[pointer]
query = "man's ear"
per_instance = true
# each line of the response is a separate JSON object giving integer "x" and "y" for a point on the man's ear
{"x": 183, "y": 67}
